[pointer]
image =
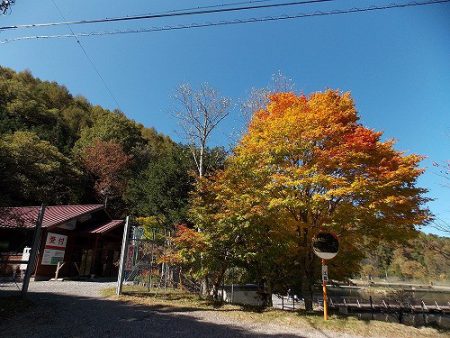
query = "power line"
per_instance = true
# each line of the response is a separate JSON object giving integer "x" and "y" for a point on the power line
{"x": 218, "y": 6}
{"x": 175, "y": 13}
{"x": 88, "y": 57}
{"x": 230, "y": 22}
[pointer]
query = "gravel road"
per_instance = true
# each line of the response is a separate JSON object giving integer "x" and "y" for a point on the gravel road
{"x": 76, "y": 309}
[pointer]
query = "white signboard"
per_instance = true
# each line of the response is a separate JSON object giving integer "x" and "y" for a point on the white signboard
{"x": 25, "y": 257}
{"x": 325, "y": 273}
{"x": 56, "y": 241}
{"x": 55, "y": 247}
{"x": 52, "y": 257}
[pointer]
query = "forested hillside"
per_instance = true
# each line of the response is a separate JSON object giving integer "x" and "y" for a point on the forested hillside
{"x": 58, "y": 148}
{"x": 425, "y": 258}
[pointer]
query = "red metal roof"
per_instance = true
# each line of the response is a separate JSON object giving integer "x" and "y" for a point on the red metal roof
{"x": 15, "y": 217}
{"x": 107, "y": 227}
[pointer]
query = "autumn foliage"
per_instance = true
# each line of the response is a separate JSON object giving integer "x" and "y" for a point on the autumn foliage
{"x": 189, "y": 238}
{"x": 307, "y": 164}
{"x": 107, "y": 162}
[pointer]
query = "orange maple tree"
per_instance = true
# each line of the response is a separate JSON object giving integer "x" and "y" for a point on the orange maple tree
{"x": 304, "y": 165}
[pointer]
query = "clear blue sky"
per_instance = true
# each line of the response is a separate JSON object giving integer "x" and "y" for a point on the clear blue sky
{"x": 396, "y": 63}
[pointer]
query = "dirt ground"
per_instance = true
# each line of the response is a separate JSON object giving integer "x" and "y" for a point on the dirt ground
{"x": 77, "y": 309}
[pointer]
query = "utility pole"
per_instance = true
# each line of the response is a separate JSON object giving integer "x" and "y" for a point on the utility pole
{"x": 324, "y": 288}
{"x": 325, "y": 246}
{"x": 34, "y": 251}
{"x": 122, "y": 256}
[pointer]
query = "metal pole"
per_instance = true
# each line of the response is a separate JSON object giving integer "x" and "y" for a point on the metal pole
{"x": 232, "y": 285}
{"x": 371, "y": 306}
{"x": 324, "y": 287}
{"x": 223, "y": 289}
{"x": 122, "y": 256}
{"x": 34, "y": 251}
{"x": 151, "y": 258}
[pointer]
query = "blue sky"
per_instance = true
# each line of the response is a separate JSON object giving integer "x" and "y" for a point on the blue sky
{"x": 395, "y": 62}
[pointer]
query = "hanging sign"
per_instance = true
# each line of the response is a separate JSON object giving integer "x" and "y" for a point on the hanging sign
{"x": 325, "y": 245}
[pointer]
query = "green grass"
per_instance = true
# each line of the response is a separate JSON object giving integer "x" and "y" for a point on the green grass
{"x": 181, "y": 301}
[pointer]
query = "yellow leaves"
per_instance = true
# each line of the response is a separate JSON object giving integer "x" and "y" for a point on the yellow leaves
{"x": 151, "y": 221}
{"x": 298, "y": 120}
{"x": 306, "y": 162}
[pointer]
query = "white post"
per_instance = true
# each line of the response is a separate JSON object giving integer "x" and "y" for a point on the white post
{"x": 58, "y": 268}
{"x": 232, "y": 285}
{"x": 34, "y": 251}
{"x": 122, "y": 256}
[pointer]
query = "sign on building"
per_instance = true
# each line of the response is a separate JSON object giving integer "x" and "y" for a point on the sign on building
{"x": 130, "y": 256}
{"x": 55, "y": 247}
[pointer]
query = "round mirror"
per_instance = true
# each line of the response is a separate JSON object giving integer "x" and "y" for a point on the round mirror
{"x": 325, "y": 245}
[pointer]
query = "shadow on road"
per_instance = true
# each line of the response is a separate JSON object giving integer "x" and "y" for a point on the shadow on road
{"x": 56, "y": 315}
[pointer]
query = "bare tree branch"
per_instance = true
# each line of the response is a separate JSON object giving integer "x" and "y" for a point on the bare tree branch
{"x": 199, "y": 113}
{"x": 259, "y": 97}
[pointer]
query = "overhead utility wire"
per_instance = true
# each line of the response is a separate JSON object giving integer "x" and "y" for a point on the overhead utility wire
{"x": 232, "y": 22}
{"x": 218, "y": 6}
{"x": 89, "y": 58}
{"x": 163, "y": 15}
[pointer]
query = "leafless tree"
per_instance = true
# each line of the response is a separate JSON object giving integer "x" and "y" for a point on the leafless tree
{"x": 443, "y": 172}
{"x": 259, "y": 97}
{"x": 5, "y": 5}
{"x": 199, "y": 113}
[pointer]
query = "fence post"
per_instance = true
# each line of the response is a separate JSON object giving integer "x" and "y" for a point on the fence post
{"x": 371, "y": 306}
{"x": 232, "y": 285}
{"x": 34, "y": 251}
{"x": 122, "y": 256}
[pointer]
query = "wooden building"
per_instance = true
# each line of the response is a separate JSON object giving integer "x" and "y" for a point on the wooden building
{"x": 81, "y": 237}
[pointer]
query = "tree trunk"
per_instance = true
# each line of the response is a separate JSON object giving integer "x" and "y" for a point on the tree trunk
{"x": 307, "y": 292}
{"x": 204, "y": 287}
{"x": 307, "y": 278}
{"x": 218, "y": 283}
{"x": 215, "y": 290}
{"x": 200, "y": 160}
{"x": 267, "y": 294}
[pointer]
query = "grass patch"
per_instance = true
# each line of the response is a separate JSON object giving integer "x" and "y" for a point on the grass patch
{"x": 173, "y": 298}
{"x": 336, "y": 324}
{"x": 9, "y": 306}
{"x": 157, "y": 293}
{"x": 180, "y": 301}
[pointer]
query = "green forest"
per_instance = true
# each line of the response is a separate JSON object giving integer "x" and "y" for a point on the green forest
{"x": 56, "y": 148}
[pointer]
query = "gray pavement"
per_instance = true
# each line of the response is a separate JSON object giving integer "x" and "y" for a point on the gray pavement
{"x": 76, "y": 309}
